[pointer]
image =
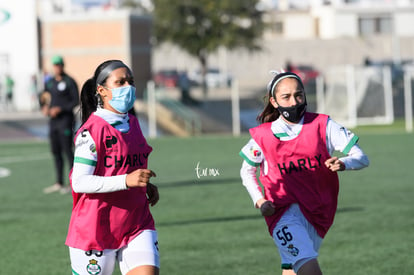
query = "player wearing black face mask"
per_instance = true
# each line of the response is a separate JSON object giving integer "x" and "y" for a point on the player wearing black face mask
{"x": 298, "y": 172}
{"x": 294, "y": 113}
{"x": 291, "y": 113}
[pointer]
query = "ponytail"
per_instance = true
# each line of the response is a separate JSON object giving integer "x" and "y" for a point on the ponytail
{"x": 89, "y": 99}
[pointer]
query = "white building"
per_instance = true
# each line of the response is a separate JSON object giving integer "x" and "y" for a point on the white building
{"x": 19, "y": 50}
{"x": 343, "y": 20}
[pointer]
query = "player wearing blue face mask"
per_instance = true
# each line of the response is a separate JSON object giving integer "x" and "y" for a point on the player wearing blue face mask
{"x": 111, "y": 220}
{"x": 123, "y": 98}
{"x": 122, "y": 95}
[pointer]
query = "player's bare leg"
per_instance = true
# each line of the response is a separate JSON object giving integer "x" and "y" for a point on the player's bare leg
{"x": 310, "y": 268}
{"x": 288, "y": 272}
{"x": 144, "y": 270}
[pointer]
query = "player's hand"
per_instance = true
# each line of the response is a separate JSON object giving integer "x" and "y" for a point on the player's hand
{"x": 267, "y": 208}
{"x": 45, "y": 110}
{"x": 139, "y": 178}
{"x": 45, "y": 98}
{"x": 334, "y": 164}
{"x": 152, "y": 194}
{"x": 54, "y": 111}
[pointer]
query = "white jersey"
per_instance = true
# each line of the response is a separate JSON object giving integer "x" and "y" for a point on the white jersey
{"x": 338, "y": 138}
{"x": 83, "y": 178}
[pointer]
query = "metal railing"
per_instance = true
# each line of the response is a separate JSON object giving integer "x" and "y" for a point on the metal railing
{"x": 179, "y": 114}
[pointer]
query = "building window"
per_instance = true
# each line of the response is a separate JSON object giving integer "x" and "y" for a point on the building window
{"x": 385, "y": 25}
{"x": 375, "y": 25}
{"x": 278, "y": 27}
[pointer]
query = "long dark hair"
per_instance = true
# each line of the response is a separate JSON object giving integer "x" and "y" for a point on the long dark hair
{"x": 270, "y": 113}
{"x": 89, "y": 99}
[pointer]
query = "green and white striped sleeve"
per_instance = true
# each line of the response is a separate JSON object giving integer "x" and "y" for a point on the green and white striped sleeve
{"x": 343, "y": 140}
{"x": 252, "y": 153}
{"x": 83, "y": 178}
{"x": 85, "y": 150}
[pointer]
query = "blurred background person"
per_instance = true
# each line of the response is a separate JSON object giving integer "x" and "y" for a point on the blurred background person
{"x": 60, "y": 97}
{"x": 184, "y": 84}
{"x": 34, "y": 93}
{"x": 288, "y": 66}
{"x": 9, "y": 92}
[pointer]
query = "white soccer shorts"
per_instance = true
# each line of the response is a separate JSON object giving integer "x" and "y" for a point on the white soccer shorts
{"x": 143, "y": 250}
{"x": 297, "y": 240}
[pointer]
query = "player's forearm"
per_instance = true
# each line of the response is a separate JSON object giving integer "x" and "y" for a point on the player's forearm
{"x": 249, "y": 180}
{"x": 84, "y": 180}
{"x": 98, "y": 184}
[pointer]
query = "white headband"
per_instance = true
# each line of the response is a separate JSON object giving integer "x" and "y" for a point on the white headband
{"x": 272, "y": 84}
{"x": 108, "y": 69}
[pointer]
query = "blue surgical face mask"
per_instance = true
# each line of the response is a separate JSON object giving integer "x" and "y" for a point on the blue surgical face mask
{"x": 123, "y": 98}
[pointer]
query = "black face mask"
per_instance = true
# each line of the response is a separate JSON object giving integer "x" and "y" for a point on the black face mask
{"x": 294, "y": 113}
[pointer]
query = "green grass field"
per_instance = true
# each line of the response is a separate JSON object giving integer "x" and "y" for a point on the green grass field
{"x": 208, "y": 225}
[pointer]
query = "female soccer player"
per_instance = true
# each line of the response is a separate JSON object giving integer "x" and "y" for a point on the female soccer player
{"x": 294, "y": 149}
{"x": 111, "y": 221}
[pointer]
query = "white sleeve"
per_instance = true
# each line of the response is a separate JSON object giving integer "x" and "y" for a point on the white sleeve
{"x": 249, "y": 180}
{"x": 356, "y": 159}
{"x": 338, "y": 138}
{"x": 83, "y": 178}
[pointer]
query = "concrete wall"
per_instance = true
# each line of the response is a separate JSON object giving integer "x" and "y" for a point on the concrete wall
{"x": 404, "y": 23}
{"x": 346, "y": 25}
{"x": 86, "y": 40}
{"x": 251, "y": 69}
{"x": 299, "y": 26}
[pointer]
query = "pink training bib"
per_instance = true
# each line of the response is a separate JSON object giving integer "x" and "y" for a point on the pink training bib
{"x": 297, "y": 174}
{"x": 110, "y": 220}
